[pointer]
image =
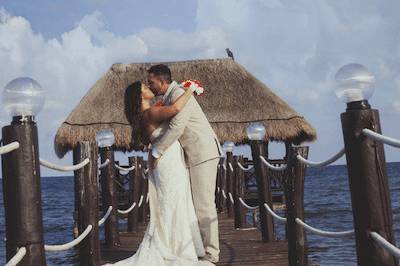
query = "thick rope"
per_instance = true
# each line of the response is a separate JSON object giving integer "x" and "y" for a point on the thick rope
{"x": 381, "y": 138}
{"x": 106, "y": 162}
{"x": 224, "y": 195}
{"x": 247, "y": 206}
{"x": 9, "y": 147}
{"x": 231, "y": 198}
{"x": 105, "y": 217}
{"x": 64, "y": 168}
{"x": 334, "y": 158}
{"x": 144, "y": 175}
{"x": 224, "y": 166}
{"x": 272, "y": 167}
{"x": 127, "y": 210}
{"x": 392, "y": 249}
{"x": 128, "y": 169}
{"x": 71, "y": 244}
{"x": 324, "y": 233}
{"x": 17, "y": 257}
{"x": 276, "y": 216}
{"x": 231, "y": 167}
{"x": 140, "y": 201}
{"x": 244, "y": 168}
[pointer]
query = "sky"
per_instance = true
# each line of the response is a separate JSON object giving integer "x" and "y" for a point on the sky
{"x": 295, "y": 47}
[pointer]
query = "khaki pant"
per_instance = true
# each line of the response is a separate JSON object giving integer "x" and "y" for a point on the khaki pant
{"x": 203, "y": 181}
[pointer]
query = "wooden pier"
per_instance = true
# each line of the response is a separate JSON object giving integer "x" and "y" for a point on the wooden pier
{"x": 238, "y": 247}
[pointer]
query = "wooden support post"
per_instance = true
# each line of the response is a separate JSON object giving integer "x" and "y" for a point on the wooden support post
{"x": 134, "y": 186}
{"x": 22, "y": 193}
{"x": 229, "y": 183}
{"x": 143, "y": 191}
{"x": 109, "y": 197}
{"x": 87, "y": 199}
{"x": 260, "y": 148}
{"x": 238, "y": 191}
{"x": 370, "y": 195}
{"x": 294, "y": 190}
{"x": 221, "y": 184}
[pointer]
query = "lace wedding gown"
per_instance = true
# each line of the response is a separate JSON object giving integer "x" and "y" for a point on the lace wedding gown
{"x": 172, "y": 236}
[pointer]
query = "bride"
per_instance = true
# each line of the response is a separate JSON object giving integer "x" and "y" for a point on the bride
{"x": 172, "y": 236}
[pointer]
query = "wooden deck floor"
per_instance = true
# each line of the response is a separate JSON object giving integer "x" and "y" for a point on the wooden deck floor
{"x": 238, "y": 247}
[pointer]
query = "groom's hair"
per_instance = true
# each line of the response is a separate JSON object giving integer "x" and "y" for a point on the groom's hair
{"x": 162, "y": 71}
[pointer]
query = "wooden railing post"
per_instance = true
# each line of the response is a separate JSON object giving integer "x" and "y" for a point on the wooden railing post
{"x": 22, "y": 192}
{"x": 238, "y": 191}
{"x": 109, "y": 197}
{"x": 86, "y": 195}
{"x": 134, "y": 183}
{"x": 142, "y": 191}
{"x": 260, "y": 148}
{"x": 217, "y": 184}
{"x": 221, "y": 173}
{"x": 229, "y": 183}
{"x": 370, "y": 195}
{"x": 294, "y": 191}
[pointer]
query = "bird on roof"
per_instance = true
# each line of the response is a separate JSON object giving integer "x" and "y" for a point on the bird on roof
{"x": 230, "y": 54}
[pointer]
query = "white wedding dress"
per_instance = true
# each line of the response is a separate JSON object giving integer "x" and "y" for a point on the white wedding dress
{"x": 172, "y": 236}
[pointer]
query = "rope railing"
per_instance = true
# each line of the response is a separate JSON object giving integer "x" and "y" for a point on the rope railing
{"x": 144, "y": 175}
{"x": 104, "y": 164}
{"x": 223, "y": 194}
{"x": 231, "y": 198}
{"x": 231, "y": 167}
{"x": 323, "y": 232}
{"x": 127, "y": 210}
{"x": 127, "y": 169}
{"x": 9, "y": 147}
{"x": 273, "y": 167}
{"x": 383, "y": 243}
{"x": 140, "y": 201}
{"x": 276, "y": 216}
{"x": 333, "y": 159}
{"x": 64, "y": 168}
{"x": 247, "y": 206}
{"x": 244, "y": 168}
{"x": 17, "y": 257}
{"x": 71, "y": 244}
{"x": 105, "y": 217}
{"x": 381, "y": 138}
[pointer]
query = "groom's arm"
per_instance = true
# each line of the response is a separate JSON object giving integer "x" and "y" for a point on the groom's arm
{"x": 176, "y": 126}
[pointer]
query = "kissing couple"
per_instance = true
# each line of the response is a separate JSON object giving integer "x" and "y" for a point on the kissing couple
{"x": 184, "y": 152}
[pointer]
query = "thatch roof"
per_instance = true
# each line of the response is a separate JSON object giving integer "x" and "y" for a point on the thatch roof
{"x": 232, "y": 100}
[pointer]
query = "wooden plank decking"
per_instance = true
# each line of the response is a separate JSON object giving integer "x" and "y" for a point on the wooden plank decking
{"x": 238, "y": 247}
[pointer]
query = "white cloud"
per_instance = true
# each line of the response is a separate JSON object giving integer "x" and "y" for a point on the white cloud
{"x": 67, "y": 66}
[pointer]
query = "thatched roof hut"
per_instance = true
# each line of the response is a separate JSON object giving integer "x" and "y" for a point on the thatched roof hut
{"x": 233, "y": 99}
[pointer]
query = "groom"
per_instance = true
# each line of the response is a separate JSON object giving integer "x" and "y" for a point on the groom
{"x": 202, "y": 152}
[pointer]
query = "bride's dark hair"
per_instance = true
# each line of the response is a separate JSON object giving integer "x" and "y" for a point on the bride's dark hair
{"x": 133, "y": 103}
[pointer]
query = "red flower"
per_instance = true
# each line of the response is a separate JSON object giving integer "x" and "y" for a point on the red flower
{"x": 187, "y": 84}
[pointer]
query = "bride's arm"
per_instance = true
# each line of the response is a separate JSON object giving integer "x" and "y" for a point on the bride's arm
{"x": 162, "y": 113}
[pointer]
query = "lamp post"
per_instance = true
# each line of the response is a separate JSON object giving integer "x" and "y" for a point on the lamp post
{"x": 259, "y": 147}
{"x": 105, "y": 140}
{"x": 228, "y": 148}
{"x": 366, "y": 165}
{"x": 23, "y": 98}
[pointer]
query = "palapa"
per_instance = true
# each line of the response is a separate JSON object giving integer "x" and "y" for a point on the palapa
{"x": 233, "y": 98}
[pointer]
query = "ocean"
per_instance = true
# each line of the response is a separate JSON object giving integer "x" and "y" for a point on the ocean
{"x": 327, "y": 206}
